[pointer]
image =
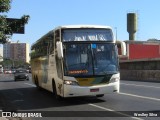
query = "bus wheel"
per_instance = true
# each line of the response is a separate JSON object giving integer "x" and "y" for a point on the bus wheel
{"x": 101, "y": 95}
{"x": 55, "y": 91}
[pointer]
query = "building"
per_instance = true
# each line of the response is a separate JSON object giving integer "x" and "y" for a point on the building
{"x": 7, "y": 51}
{"x": 16, "y": 51}
{"x": 142, "y": 50}
{"x": 1, "y": 53}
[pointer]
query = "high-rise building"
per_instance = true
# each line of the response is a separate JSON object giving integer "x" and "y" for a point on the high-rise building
{"x": 1, "y": 53}
{"x": 16, "y": 51}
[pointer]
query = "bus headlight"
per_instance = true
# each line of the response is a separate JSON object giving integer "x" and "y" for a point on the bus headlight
{"x": 114, "y": 80}
{"x": 69, "y": 82}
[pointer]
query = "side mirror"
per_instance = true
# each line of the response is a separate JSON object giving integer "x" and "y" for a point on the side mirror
{"x": 121, "y": 48}
{"x": 59, "y": 49}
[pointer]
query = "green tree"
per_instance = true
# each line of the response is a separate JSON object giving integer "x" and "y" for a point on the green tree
{"x": 9, "y": 26}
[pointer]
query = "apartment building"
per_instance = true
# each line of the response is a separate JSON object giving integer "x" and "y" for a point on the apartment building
{"x": 16, "y": 51}
{"x": 1, "y": 53}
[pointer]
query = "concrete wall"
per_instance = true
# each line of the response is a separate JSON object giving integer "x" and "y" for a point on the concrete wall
{"x": 141, "y": 75}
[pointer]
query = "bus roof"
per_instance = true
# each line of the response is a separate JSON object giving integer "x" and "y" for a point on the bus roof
{"x": 70, "y": 27}
{"x": 82, "y": 26}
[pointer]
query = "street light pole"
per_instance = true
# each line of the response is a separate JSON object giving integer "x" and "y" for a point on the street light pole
{"x": 1, "y": 58}
{"x": 116, "y": 32}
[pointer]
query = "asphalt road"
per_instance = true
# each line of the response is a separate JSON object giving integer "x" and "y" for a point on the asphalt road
{"x": 135, "y": 98}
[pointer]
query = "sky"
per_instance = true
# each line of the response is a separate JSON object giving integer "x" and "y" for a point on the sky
{"x": 45, "y": 15}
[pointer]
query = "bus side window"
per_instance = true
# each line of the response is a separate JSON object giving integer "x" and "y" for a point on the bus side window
{"x": 56, "y": 39}
{"x": 51, "y": 46}
{"x": 57, "y": 36}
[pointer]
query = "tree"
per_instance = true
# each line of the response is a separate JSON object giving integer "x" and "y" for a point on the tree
{"x": 8, "y": 26}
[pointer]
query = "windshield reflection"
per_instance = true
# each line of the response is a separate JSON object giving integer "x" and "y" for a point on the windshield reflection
{"x": 90, "y": 59}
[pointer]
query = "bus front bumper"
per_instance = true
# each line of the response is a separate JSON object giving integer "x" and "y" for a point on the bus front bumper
{"x": 75, "y": 91}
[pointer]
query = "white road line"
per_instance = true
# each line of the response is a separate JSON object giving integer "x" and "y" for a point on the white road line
{"x": 141, "y": 85}
{"x": 120, "y": 113}
{"x": 17, "y": 101}
{"x": 144, "y": 97}
{"x": 101, "y": 107}
{"x": 30, "y": 84}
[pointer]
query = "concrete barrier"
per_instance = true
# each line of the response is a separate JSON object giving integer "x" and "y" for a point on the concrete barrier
{"x": 141, "y": 75}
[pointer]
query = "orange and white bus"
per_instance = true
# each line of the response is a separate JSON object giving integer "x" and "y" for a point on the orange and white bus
{"x": 76, "y": 60}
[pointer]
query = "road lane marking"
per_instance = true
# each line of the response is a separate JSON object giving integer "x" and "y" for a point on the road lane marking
{"x": 144, "y": 97}
{"x": 140, "y": 85}
{"x": 120, "y": 113}
{"x": 30, "y": 84}
{"x": 101, "y": 107}
{"x": 17, "y": 101}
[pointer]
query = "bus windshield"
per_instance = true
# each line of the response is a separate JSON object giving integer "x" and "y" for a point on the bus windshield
{"x": 90, "y": 59}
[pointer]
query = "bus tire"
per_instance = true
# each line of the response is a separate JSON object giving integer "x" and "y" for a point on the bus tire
{"x": 100, "y": 95}
{"x": 55, "y": 91}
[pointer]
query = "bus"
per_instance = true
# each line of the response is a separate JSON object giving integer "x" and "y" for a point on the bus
{"x": 76, "y": 60}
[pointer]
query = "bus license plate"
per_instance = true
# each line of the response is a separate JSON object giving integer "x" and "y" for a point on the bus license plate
{"x": 94, "y": 90}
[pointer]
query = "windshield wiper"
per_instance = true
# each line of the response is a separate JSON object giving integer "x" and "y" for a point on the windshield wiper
{"x": 110, "y": 72}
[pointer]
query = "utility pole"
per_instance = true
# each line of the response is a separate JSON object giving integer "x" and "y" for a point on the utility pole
{"x": 116, "y": 32}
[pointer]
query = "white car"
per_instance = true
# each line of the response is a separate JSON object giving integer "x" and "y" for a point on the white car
{"x": 7, "y": 71}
